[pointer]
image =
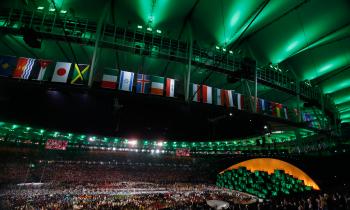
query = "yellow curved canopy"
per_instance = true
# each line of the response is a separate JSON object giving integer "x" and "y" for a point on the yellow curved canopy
{"x": 270, "y": 165}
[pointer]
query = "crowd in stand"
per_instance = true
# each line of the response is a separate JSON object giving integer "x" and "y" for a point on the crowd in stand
{"x": 132, "y": 181}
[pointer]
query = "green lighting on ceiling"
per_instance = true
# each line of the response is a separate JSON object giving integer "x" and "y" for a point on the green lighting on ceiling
{"x": 40, "y": 8}
{"x": 52, "y": 10}
{"x": 153, "y": 11}
{"x": 224, "y": 49}
{"x": 217, "y": 47}
{"x": 139, "y": 27}
{"x": 336, "y": 86}
{"x": 42, "y": 131}
{"x": 159, "y": 31}
{"x": 292, "y": 45}
{"x": 14, "y": 126}
{"x": 341, "y": 100}
{"x": 231, "y": 52}
{"x": 63, "y": 11}
{"x": 149, "y": 29}
{"x": 235, "y": 18}
{"x": 344, "y": 116}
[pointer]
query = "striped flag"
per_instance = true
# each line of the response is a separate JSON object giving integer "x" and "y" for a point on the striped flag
{"x": 61, "y": 72}
{"x": 239, "y": 101}
{"x": 261, "y": 105}
{"x": 218, "y": 97}
{"x": 170, "y": 87}
{"x": 143, "y": 83}
{"x": 207, "y": 94}
{"x": 196, "y": 92}
{"x": 126, "y": 80}
{"x": 39, "y": 69}
{"x": 24, "y": 68}
{"x": 109, "y": 79}
{"x": 157, "y": 85}
{"x": 228, "y": 97}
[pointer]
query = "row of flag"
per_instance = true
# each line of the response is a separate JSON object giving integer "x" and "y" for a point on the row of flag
{"x": 146, "y": 84}
{"x": 36, "y": 69}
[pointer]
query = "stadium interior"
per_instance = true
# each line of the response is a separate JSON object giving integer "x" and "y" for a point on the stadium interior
{"x": 175, "y": 104}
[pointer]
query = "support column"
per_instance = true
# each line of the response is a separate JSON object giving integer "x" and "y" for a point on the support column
{"x": 189, "y": 65}
{"x": 256, "y": 89}
{"x": 97, "y": 41}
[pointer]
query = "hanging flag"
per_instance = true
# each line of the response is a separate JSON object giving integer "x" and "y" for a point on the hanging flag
{"x": 81, "y": 74}
{"x": 285, "y": 112}
{"x": 170, "y": 87}
{"x": 219, "y": 97}
{"x": 157, "y": 85}
{"x": 126, "y": 80}
{"x": 7, "y": 65}
{"x": 24, "y": 68}
{"x": 207, "y": 96}
{"x": 109, "y": 79}
{"x": 39, "y": 69}
{"x": 61, "y": 72}
{"x": 228, "y": 97}
{"x": 269, "y": 107}
{"x": 261, "y": 106}
{"x": 278, "y": 109}
{"x": 196, "y": 93}
{"x": 239, "y": 101}
{"x": 143, "y": 84}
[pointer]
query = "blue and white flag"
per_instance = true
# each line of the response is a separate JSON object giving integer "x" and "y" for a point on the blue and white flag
{"x": 126, "y": 80}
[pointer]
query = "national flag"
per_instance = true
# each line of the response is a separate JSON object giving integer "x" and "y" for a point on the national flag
{"x": 170, "y": 87}
{"x": 269, "y": 107}
{"x": 261, "y": 106}
{"x": 285, "y": 112}
{"x": 61, "y": 72}
{"x": 239, "y": 101}
{"x": 7, "y": 65}
{"x": 228, "y": 97}
{"x": 277, "y": 109}
{"x": 24, "y": 68}
{"x": 126, "y": 80}
{"x": 109, "y": 79}
{"x": 157, "y": 85}
{"x": 143, "y": 84}
{"x": 219, "y": 97}
{"x": 39, "y": 69}
{"x": 196, "y": 93}
{"x": 81, "y": 74}
{"x": 207, "y": 94}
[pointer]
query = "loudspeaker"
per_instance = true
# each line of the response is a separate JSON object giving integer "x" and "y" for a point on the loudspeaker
{"x": 31, "y": 37}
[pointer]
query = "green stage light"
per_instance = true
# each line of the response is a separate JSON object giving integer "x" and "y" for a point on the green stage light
{"x": 52, "y": 10}
{"x": 231, "y": 52}
{"x": 27, "y": 128}
{"x": 63, "y": 11}
{"x": 40, "y": 8}
{"x": 14, "y": 126}
{"x": 217, "y": 47}
{"x": 149, "y": 29}
{"x": 224, "y": 49}
{"x": 159, "y": 31}
{"x": 139, "y": 27}
{"x": 42, "y": 131}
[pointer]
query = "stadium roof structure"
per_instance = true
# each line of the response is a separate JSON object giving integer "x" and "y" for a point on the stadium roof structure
{"x": 301, "y": 47}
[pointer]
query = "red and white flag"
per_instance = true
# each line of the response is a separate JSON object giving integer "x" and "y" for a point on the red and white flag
{"x": 196, "y": 93}
{"x": 109, "y": 79}
{"x": 207, "y": 94}
{"x": 228, "y": 98}
{"x": 61, "y": 72}
{"x": 43, "y": 64}
{"x": 170, "y": 87}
